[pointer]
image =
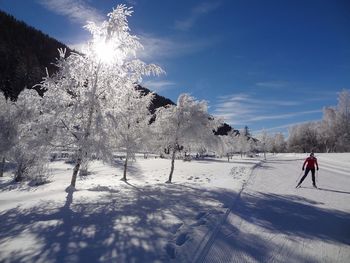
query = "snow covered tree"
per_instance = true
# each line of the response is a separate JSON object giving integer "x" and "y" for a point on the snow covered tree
{"x": 330, "y": 134}
{"x": 30, "y": 142}
{"x": 129, "y": 123}
{"x": 7, "y": 130}
{"x": 265, "y": 142}
{"x": 303, "y": 137}
{"x": 279, "y": 143}
{"x": 326, "y": 132}
{"x": 243, "y": 143}
{"x": 228, "y": 144}
{"x": 87, "y": 86}
{"x": 343, "y": 121}
{"x": 187, "y": 124}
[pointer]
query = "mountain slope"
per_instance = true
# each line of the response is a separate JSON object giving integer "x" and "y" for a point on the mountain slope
{"x": 25, "y": 53}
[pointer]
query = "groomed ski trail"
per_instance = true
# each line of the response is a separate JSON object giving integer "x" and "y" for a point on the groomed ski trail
{"x": 272, "y": 221}
{"x": 204, "y": 249}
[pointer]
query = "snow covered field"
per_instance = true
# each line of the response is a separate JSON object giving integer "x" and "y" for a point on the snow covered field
{"x": 247, "y": 210}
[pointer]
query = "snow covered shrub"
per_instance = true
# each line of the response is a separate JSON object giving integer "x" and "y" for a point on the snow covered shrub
{"x": 30, "y": 150}
{"x": 8, "y": 131}
{"x": 31, "y": 165}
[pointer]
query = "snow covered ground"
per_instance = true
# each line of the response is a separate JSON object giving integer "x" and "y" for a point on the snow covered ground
{"x": 247, "y": 210}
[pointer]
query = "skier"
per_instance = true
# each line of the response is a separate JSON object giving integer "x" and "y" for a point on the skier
{"x": 311, "y": 162}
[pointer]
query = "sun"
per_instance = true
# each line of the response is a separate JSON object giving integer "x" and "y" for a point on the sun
{"x": 105, "y": 52}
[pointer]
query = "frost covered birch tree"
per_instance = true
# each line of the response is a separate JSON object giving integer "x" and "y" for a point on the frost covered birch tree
{"x": 264, "y": 142}
{"x": 86, "y": 86}
{"x": 129, "y": 123}
{"x": 229, "y": 144}
{"x": 186, "y": 124}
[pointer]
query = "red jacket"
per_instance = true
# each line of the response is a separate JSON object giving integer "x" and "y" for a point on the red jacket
{"x": 311, "y": 161}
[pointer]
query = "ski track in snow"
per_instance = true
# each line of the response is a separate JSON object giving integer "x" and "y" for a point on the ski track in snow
{"x": 204, "y": 249}
{"x": 274, "y": 222}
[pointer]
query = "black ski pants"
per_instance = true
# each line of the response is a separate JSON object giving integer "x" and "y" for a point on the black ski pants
{"x": 306, "y": 172}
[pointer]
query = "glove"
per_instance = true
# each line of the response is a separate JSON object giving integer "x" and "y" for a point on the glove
{"x": 317, "y": 168}
{"x": 302, "y": 168}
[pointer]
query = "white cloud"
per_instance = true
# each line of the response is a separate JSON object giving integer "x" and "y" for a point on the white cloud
{"x": 272, "y": 84}
{"x": 78, "y": 11}
{"x": 131, "y": 2}
{"x": 156, "y": 47}
{"x": 158, "y": 86}
{"x": 242, "y": 109}
{"x": 196, "y": 13}
{"x": 281, "y": 127}
{"x": 247, "y": 99}
{"x": 283, "y": 116}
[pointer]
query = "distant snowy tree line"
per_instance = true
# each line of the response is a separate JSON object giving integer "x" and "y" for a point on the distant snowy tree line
{"x": 331, "y": 134}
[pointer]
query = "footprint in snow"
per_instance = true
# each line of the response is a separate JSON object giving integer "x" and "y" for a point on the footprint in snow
{"x": 181, "y": 239}
{"x": 200, "y": 215}
{"x": 200, "y": 222}
{"x": 174, "y": 228}
{"x": 170, "y": 250}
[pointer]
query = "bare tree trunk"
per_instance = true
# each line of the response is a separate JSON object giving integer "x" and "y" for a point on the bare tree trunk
{"x": 2, "y": 167}
{"x": 82, "y": 150}
{"x": 19, "y": 173}
{"x": 125, "y": 167}
{"x": 75, "y": 172}
{"x": 172, "y": 166}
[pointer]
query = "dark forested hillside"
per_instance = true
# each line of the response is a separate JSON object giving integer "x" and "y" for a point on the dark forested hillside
{"x": 25, "y": 53}
{"x": 158, "y": 101}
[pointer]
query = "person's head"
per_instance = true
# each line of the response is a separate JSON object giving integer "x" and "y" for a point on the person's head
{"x": 312, "y": 154}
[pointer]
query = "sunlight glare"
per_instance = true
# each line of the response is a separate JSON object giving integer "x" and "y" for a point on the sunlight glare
{"x": 105, "y": 52}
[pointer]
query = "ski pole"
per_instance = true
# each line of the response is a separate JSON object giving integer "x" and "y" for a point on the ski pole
{"x": 299, "y": 177}
{"x": 317, "y": 177}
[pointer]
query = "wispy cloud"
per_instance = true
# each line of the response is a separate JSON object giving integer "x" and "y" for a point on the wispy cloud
{"x": 156, "y": 47}
{"x": 281, "y": 127}
{"x": 196, "y": 13}
{"x": 247, "y": 99}
{"x": 159, "y": 85}
{"x": 272, "y": 84}
{"x": 131, "y": 2}
{"x": 243, "y": 109}
{"x": 283, "y": 116}
{"x": 78, "y": 11}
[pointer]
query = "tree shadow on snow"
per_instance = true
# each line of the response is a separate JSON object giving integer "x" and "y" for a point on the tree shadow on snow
{"x": 124, "y": 226}
{"x": 289, "y": 215}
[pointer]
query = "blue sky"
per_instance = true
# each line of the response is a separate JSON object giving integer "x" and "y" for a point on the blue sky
{"x": 266, "y": 64}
